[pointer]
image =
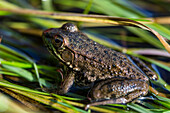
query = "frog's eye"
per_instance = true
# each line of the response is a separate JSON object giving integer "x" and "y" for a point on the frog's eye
{"x": 58, "y": 41}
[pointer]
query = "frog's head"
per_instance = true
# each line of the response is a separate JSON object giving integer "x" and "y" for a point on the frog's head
{"x": 56, "y": 40}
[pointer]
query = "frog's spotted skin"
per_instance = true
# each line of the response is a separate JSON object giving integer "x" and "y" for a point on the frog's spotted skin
{"x": 116, "y": 79}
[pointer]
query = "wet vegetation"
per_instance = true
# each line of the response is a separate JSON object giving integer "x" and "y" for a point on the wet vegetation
{"x": 29, "y": 74}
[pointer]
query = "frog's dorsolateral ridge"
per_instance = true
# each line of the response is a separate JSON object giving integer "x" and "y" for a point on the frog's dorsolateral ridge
{"x": 112, "y": 77}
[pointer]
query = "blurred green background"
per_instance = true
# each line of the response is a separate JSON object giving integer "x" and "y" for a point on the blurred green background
{"x": 28, "y": 71}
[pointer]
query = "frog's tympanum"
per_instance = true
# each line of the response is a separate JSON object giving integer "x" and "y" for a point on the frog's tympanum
{"x": 110, "y": 75}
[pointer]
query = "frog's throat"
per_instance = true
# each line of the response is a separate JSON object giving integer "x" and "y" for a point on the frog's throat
{"x": 57, "y": 54}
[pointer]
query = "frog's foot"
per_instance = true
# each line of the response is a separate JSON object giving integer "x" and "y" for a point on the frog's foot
{"x": 152, "y": 75}
{"x": 117, "y": 91}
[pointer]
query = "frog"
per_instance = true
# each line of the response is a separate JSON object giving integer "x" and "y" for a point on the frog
{"x": 111, "y": 76}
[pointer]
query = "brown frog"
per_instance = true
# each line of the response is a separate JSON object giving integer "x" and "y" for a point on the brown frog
{"x": 111, "y": 75}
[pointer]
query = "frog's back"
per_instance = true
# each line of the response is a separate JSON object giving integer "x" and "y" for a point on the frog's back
{"x": 104, "y": 62}
{"x": 81, "y": 44}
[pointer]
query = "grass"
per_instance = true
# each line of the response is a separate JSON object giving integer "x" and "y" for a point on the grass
{"x": 32, "y": 79}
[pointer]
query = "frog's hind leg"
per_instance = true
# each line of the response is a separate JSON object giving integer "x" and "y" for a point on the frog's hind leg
{"x": 117, "y": 91}
{"x": 144, "y": 68}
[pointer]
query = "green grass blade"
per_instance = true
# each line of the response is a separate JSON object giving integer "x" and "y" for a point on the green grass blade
{"x": 22, "y": 72}
{"x": 47, "y": 5}
{"x": 138, "y": 108}
{"x": 14, "y": 53}
{"x": 37, "y": 74}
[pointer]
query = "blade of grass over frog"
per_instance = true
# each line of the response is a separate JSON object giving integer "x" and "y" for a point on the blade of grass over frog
{"x": 90, "y": 18}
{"x": 44, "y": 101}
{"x": 22, "y": 72}
{"x": 17, "y": 54}
{"x": 37, "y": 74}
{"x": 139, "y": 108}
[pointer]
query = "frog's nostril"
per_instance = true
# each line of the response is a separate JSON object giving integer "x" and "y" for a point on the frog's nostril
{"x": 48, "y": 33}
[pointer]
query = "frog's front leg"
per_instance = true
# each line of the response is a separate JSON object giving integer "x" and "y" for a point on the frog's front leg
{"x": 67, "y": 83}
{"x": 117, "y": 91}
